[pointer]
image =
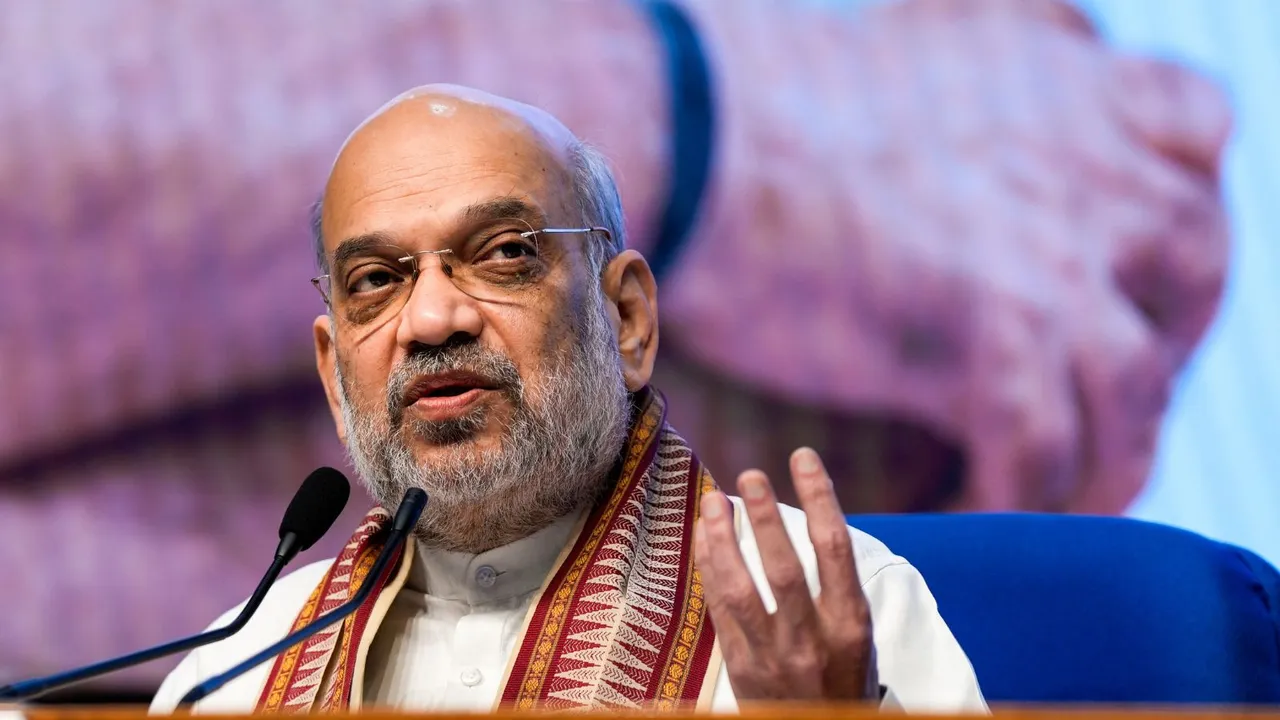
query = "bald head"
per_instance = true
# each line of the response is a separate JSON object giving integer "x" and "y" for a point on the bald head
{"x": 432, "y": 138}
{"x": 452, "y": 108}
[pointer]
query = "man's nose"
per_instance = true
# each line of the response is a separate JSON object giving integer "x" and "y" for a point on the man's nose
{"x": 437, "y": 310}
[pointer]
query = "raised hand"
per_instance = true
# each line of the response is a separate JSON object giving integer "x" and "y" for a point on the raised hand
{"x": 809, "y": 648}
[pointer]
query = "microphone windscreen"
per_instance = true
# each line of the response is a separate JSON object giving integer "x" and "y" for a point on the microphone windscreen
{"x": 315, "y": 506}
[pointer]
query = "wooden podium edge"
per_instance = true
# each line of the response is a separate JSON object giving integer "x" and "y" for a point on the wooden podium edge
{"x": 789, "y": 711}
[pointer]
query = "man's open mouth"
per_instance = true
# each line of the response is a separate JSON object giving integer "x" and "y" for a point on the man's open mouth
{"x": 445, "y": 385}
{"x": 449, "y": 391}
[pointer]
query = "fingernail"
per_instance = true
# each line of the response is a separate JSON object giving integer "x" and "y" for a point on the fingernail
{"x": 711, "y": 506}
{"x": 807, "y": 461}
{"x": 753, "y": 488}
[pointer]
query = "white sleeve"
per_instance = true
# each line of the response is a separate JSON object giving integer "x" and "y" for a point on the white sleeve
{"x": 920, "y": 662}
{"x": 176, "y": 684}
{"x": 273, "y": 619}
{"x": 187, "y": 675}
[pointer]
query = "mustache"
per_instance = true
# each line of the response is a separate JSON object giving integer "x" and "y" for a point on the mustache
{"x": 458, "y": 354}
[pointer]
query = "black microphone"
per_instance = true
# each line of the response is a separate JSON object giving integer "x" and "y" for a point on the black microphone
{"x": 314, "y": 508}
{"x": 411, "y": 507}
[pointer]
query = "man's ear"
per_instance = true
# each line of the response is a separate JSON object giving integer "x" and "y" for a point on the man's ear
{"x": 632, "y": 294}
{"x": 326, "y": 360}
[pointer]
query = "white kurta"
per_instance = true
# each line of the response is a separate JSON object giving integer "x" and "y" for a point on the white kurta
{"x": 446, "y": 640}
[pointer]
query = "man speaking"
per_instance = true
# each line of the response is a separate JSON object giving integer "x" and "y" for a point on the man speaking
{"x": 490, "y": 340}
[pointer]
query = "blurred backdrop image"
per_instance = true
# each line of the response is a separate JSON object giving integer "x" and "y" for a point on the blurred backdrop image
{"x": 983, "y": 255}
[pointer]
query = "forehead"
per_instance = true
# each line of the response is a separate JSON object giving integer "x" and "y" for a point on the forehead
{"x": 414, "y": 173}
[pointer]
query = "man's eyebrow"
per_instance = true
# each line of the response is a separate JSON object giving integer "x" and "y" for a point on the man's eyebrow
{"x": 359, "y": 245}
{"x": 500, "y": 209}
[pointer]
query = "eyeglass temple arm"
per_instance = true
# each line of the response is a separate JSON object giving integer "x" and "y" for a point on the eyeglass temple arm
{"x": 567, "y": 231}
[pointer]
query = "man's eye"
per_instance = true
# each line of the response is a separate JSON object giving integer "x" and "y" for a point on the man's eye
{"x": 372, "y": 279}
{"x": 513, "y": 250}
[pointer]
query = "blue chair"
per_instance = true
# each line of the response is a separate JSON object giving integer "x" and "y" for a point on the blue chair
{"x": 1070, "y": 609}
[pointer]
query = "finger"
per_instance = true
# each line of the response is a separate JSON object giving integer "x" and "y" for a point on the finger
{"x": 796, "y": 615}
{"x": 1172, "y": 250}
{"x": 1022, "y": 418}
{"x": 844, "y": 612}
{"x": 1168, "y": 237}
{"x": 730, "y": 591}
{"x": 837, "y": 568}
{"x": 1174, "y": 110}
{"x": 1124, "y": 375}
{"x": 735, "y": 646}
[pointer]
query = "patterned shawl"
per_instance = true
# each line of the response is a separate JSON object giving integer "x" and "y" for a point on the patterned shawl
{"x": 619, "y": 623}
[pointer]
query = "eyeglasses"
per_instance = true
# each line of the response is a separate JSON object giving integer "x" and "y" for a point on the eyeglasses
{"x": 375, "y": 282}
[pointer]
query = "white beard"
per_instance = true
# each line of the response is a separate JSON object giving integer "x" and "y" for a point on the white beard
{"x": 557, "y": 453}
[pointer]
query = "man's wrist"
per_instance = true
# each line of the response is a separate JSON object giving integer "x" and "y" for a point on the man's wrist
{"x": 692, "y": 113}
{"x": 770, "y": 137}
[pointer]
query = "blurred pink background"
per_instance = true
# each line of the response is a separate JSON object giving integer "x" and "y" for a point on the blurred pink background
{"x": 158, "y": 399}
